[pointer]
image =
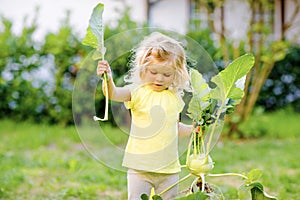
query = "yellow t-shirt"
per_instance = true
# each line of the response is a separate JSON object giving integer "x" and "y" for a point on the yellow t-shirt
{"x": 153, "y": 142}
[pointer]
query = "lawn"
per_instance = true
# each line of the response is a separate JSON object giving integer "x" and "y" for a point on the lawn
{"x": 51, "y": 162}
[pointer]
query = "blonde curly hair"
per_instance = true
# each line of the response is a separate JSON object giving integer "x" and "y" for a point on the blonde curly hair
{"x": 158, "y": 48}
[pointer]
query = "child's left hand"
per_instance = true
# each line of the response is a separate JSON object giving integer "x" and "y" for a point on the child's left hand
{"x": 197, "y": 128}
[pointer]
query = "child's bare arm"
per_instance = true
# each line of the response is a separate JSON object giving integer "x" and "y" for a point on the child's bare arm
{"x": 184, "y": 129}
{"x": 115, "y": 93}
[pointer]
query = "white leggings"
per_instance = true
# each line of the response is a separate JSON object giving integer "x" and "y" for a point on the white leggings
{"x": 141, "y": 182}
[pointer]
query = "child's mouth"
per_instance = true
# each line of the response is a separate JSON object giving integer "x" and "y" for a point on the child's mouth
{"x": 157, "y": 86}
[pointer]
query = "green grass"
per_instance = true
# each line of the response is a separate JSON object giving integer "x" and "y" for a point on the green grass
{"x": 280, "y": 124}
{"x": 50, "y": 162}
{"x": 277, "y": 158}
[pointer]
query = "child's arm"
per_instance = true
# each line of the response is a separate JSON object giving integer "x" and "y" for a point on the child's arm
{"x": 115, "y": 93}
{"x": 186, "y": 130}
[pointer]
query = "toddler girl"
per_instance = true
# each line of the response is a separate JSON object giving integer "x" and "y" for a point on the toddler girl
{"x": 156, "y": 81}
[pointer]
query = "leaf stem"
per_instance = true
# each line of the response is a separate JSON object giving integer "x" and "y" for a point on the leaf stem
{"x": 179, "y": 181}
{"x": 213, "y": 128}
{"x": 106, "y": 95}
{"x": 189, "y": 149}
{"x": 203, "y": 182}
{"x": 202, "y": 143}
{"x": 195, "y": 145}
{"x": 228, "y": 174}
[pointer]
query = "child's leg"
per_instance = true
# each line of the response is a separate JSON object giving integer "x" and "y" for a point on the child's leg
{"x": 163, "y": 182}
{"x": 137, "y": 184}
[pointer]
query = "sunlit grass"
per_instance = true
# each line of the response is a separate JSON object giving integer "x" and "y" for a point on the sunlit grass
{"x": 279, "y": 124}
{"x": 277, "y": 159}
{"x": 50, "y": 162}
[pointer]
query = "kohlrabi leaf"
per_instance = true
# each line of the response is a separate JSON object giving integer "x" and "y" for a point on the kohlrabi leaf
{"x": 144, "y": 197}
{"x": 156, "y": 197}
{"x": 199, "y": 85}
{"x": 90, "y": 39}
{"x": 240, "y": 83}
{"x": 201, "y": 96}
{"x": 253, "y": 175}
{"x": 256, "y": 188}
{"x": 226, "y": 80}
{"x": 258, "y": 193}
{"x": 94, "y": 36}
{"x": 196, "y": 196}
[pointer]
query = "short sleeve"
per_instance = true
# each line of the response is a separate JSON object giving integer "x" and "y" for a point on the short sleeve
{"x": 180, "y": 103}
{"x": 129, "y": 104}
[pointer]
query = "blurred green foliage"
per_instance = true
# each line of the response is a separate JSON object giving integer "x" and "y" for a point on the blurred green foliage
{"x": 283, "y": 84}
{"x": 22, "y": 96}
{"x": 37, "y": 78}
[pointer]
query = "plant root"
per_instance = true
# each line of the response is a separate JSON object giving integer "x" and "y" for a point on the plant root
{"x": 207, "y": 188}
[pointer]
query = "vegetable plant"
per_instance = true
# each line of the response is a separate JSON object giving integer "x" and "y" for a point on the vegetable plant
{"x": 95, "y": 38}
{"x": 207, "y": 108}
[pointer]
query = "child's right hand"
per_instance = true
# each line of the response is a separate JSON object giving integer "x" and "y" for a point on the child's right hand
{"x": 103, "y": 67}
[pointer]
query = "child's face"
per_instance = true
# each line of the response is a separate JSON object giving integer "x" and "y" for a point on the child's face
{"x": 159, "y": 77}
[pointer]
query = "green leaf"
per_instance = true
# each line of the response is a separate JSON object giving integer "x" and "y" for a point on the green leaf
{"x": 95, "y": 35}
{"x": 201, "y": 96}
{"x": 226, "y": 79}
{"x": 196, "y": 196}
{"x": 90, "y": 39}
{"x": 194, "y": 110}
{"x": 254, "y": 175}
{"x": 199, "y": 85}
{"x": 95, "y": 38}
{"x": 156, "y": 197}
{"x": 144, "y": 197}
{"x": 257, "y": 192}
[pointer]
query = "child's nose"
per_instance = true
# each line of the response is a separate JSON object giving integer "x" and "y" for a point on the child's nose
{"x": 160, "y": 77}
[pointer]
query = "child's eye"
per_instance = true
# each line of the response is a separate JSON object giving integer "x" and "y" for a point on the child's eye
{"x": 167, "y": 75}
{"x": 153, "y": 72}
